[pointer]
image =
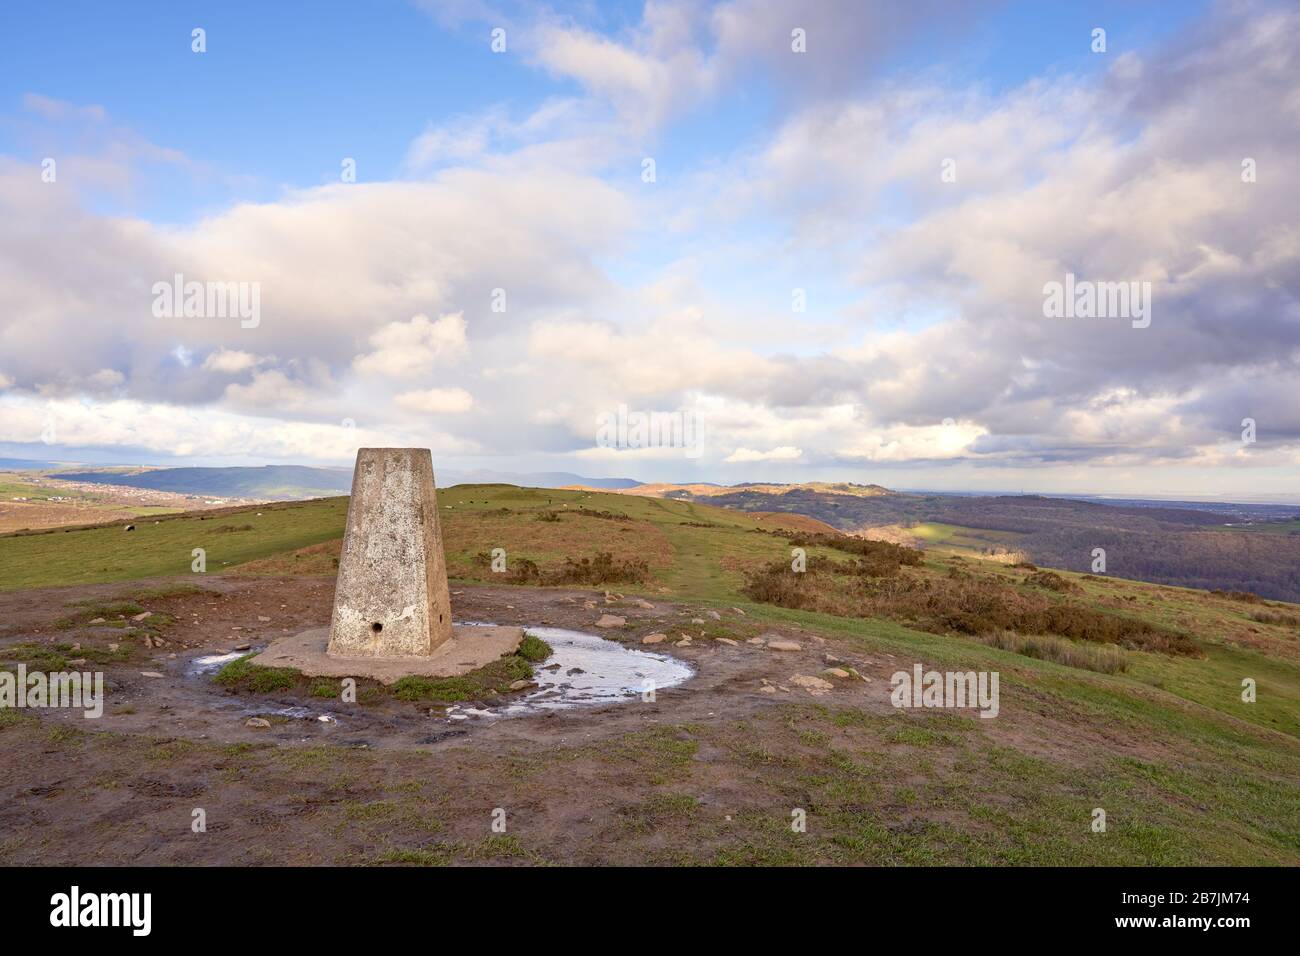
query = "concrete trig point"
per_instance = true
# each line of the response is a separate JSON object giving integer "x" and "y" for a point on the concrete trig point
{"x": 392, "y": 610}
{"x": 391, "y": 598}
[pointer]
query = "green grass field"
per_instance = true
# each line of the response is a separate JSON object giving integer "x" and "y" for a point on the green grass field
{"x": 961, "y": 539}
{"x": 110, "y": 553}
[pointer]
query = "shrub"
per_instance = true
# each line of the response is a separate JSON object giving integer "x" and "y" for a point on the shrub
{"x": 1105, "y": 659}
{"x": 602, "y": 569}
{"x": 1245, "y": 596}
{"x": 879, "y": 553}
{"x": 962, "y": 605}
{"x": 1276, "y": 617}
{"x": 1050, "y": 580}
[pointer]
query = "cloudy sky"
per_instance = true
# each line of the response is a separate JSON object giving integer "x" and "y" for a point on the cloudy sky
{"x": 822, "y": 230}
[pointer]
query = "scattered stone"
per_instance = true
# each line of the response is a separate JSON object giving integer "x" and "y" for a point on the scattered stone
{"x": 115, "y": 647}
{"x": 836, "y": 672}
{"x": 814, "y": 685}
{"x": 728, "y": 641}
{"x": 150, "y": 674}
{"x": 144, "y": 616}
{"x": 767, "y": 689}
{"x": 259, "y": 723}
{"x": 326, "y": 719}
{"x": 643, "y": 603}
{"x": 99, "y": 620}
{"x": 697, "y": 620}
{"x": 264, "y": 620}
{"x": 654, "y": 638}
{"x": 832, "y": 659}
{"x": 684, "y": 642}
{"x": 611, "y": 620}
{"x": 784, "y": 646}
{"x": 78, "y": 661}
{"x": 77, "y": 646}
{"x": 129, "y": 527}
{"x": 757, "y": 641}
{"x": 523, "y": 684}
{"x": 854, "y": 671}
{"x": 739, "y": 611}
{"x": 715, "y": 615}
{"x": 243, "y": 647}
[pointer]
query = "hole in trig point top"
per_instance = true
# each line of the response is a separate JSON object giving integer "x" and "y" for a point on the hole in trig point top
{"x": 377, "y": 627}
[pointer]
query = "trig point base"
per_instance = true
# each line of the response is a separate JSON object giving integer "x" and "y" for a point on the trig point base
{"x": 392, "y": 609}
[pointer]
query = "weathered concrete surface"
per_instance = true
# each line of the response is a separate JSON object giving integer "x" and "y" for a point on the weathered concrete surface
{"x": 391, "y": 596}
{"x": 469, "y": 648}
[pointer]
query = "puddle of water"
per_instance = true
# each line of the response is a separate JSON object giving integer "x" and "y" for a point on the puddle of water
{"x": 297, "y": 713}
{"x": 587, "y": 670}
{"x": 583, "y": 670}
{"x": 213, "y": 662}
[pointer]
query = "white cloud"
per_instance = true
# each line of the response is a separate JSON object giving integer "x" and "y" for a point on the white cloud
{"x": 231, "y": 361}
{"x": 270, "y": 391}
{"x": 406, "y": 349}
{"x": 436, "y": 401}
{"x": 784, "y": 453}
{"x": 207, "y": 433}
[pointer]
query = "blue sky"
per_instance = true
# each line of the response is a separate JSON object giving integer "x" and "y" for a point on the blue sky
{"x": 922, "y": 357}
{"x": 286, "y": 87}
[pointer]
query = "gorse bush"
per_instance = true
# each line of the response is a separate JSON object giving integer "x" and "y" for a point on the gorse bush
{"x": 1280, "y": 618}
{"x": 1050, "y": 580}
{"x": 876, "y": 553}
{"x": 1245, "y": 596}
{"x": 961, "y": 604}
{"x": 603, "y": 568}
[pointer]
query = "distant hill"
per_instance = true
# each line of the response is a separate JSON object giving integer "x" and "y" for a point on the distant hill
{"x": 1236, "y": 547}
{"x": 24, "y": 464}
{"x": 288, "y": 482}
{"x": 268, "y": 482}
{"x": 710, "y": 490}
{"x": 530, "y": 479}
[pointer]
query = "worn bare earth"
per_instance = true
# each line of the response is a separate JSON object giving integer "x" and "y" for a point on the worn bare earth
{"x": 709, "y": 772}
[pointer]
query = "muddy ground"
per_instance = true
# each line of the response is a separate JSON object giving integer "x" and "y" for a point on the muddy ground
{"x": 710, "y": 771}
